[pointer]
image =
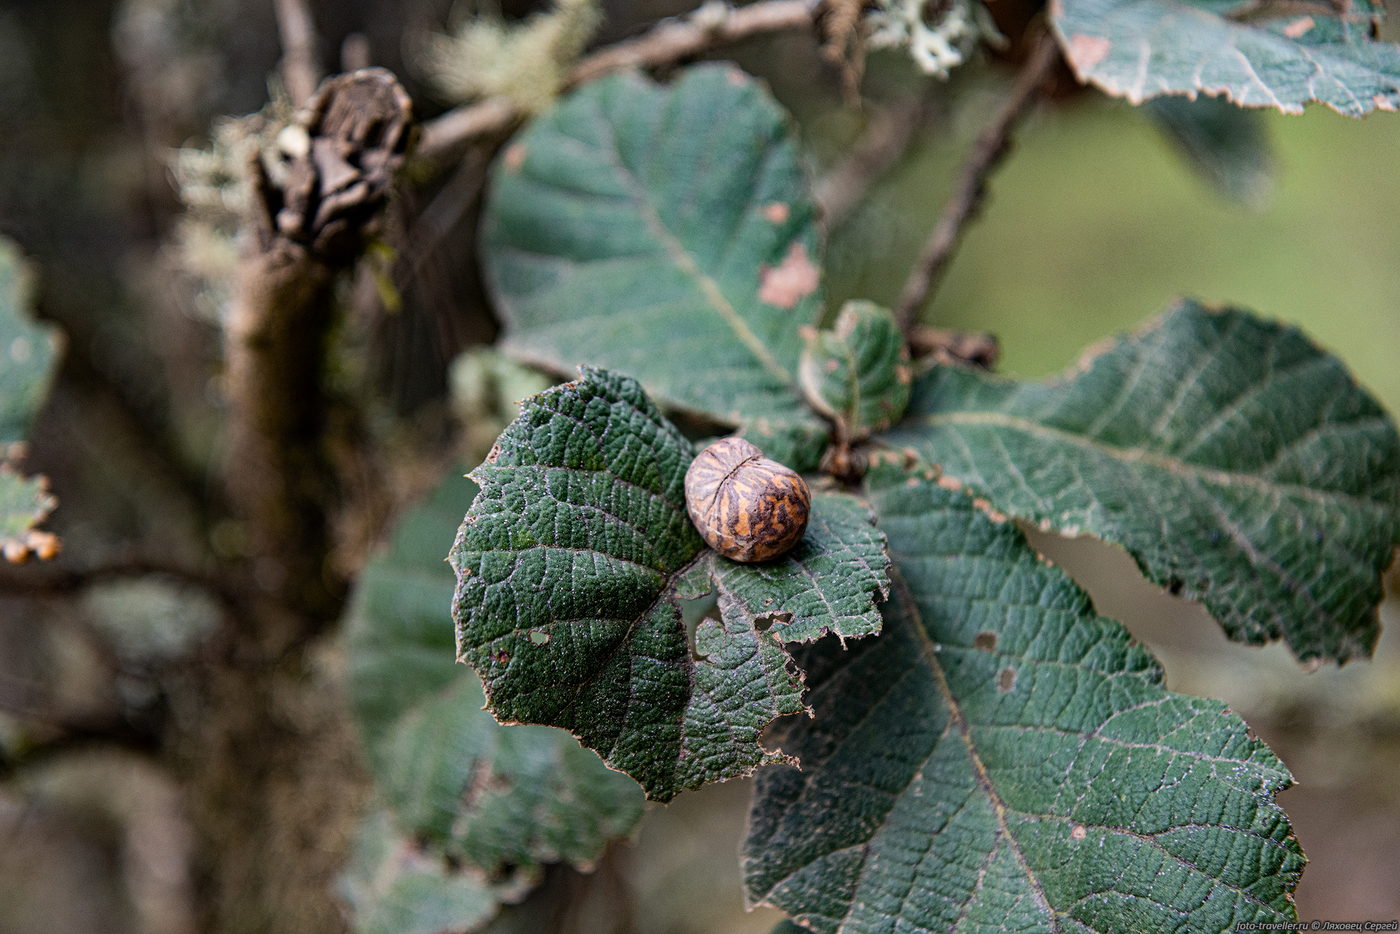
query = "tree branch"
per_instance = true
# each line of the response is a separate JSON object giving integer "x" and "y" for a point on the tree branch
{"x": 667, "y": 42}
{"x": 987, "y": 153}
{"x": 300, "y": 73}
{"x": 312, "y": 222}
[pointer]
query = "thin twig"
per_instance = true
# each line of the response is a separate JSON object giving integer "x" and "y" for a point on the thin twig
{"x": 990, "y": 148}
{"x": 883, "y": 144}
{"x": 300, "y": 72}
{"x": 667, "y": 42}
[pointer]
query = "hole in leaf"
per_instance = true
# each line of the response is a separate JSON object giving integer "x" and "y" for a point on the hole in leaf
{"x": 694, "y": 610}
{"x": 985, "y": 641}
{"x": 538, "y": 638}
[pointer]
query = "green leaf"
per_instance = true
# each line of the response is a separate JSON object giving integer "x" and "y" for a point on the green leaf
{"x": 858, "y": 373}
{"x": 571, "y": 564}
{"x": 1225, "y": 145}
{"x": 24, "y": 503}
{"x": 666, "y": 232}
{"x": 26, "y": 349}
{"x": 454, "y": 780}
{"x": 1001, "y": 759}
{"x": 1258, "y": 55}
{"x": 1238, "y": 463}
{"x": 395, "y": 887}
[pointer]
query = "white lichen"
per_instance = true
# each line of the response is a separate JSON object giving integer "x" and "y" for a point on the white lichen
{"x": 939, "y": 35}
{"x": 525, "y": 63}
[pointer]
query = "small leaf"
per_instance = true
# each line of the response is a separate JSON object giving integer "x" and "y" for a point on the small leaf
{"x": 461, "y": 785}
{"x": 24, "y": 503}
{"x": 857, "y": 374}
{"x": 1001, "y": 759}
{"x": 27, "y": 349}
{"x": 1270, "y": 54}
{"x": 1226, "y": 146}
{"x": 571, "y": 564}
{"x": 395, "y": 887}
{"x": 666, "y": 232}
{"x": 1238, "y": 463}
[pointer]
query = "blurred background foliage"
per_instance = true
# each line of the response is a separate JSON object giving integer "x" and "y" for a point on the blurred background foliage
{"x": 1092, "y": 225}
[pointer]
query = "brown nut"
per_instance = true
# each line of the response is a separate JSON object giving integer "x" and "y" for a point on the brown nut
{"x": 747, "y": 507}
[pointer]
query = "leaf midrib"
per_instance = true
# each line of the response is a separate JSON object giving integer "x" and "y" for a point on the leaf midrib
{"x": 681, "y": 257}
{"x": 979, "y": 768}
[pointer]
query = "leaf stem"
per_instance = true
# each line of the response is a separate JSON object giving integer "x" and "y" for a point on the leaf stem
{"x": 992, "y": 145}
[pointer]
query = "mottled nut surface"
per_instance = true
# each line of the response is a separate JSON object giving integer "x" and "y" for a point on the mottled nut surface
{"x": 747, "y": 507}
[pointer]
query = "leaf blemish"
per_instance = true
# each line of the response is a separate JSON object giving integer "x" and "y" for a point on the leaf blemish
{"x": 1299, "y": 27}
{"x": 1006, "y": 680}
{"x": 1087, "y": 51}
{"x": 515, "y": 157}
{"x": 537, "y": 637}
{"x": 792, "y": 280}
{"x": 985, "y": 641}
{"x": 1078, "y": 832}
{"x": 776, "y": 212}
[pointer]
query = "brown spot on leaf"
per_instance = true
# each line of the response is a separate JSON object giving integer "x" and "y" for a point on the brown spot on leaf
{"x": 986, "y": 641}
{"x": 792, "y": 280}
{"x": 1087, "y": 51}
{"x": 1006, "y": 680}
{"x": 776, "y": 212}
{"x": 1078, "y": 832}
{"x": 1299, "y": 27}
{"x": 952, "y": 484}
{"x": 515, "y": 156}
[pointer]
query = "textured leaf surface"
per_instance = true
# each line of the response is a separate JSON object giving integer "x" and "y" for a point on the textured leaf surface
{"x": 1259, "y": 55}
{"x": 1226, "y": 146}
{"x": 26, "y": 349}
{"x": 1001, "y": 759}
{"x": 453, "y": 779}
{"x": 571, "y": 564}
{"x": 395, "y": 887}
{"x": 857, "y": 374}
{"x": 1237, "y": 463}
{"x": 666, "y": 232}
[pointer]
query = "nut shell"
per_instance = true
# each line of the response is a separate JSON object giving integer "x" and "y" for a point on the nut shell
{"x": 747, "y": 507}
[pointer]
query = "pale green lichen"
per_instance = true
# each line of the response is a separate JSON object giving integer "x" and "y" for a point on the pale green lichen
{"x": 524, "y": 63}
{"x": 940, "y": 36}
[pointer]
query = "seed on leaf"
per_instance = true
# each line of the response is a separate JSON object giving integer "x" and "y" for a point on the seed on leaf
{"x": 747, "y": 507}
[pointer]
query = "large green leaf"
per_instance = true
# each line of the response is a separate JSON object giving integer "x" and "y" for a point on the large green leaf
{"x": 26, "y": 349}
{"x": 572, "y": 563}
{"x": 1237, "y": 463}
{"x": 1271, "y": 54}
{"x": 457, "y": 788}
{"x": 666, "y": 232}
{"x": 1001, "y": 759}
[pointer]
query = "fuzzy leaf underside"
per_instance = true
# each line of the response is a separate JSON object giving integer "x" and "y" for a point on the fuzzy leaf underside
{"x": 456, "y": 788}
{"x": 1001, "y": 759}
{"x": 1238, "y": 463}
{"x": 571, "y": 565}
{"x": 1255, "y": 55}
{"x": 666, "y": 232}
